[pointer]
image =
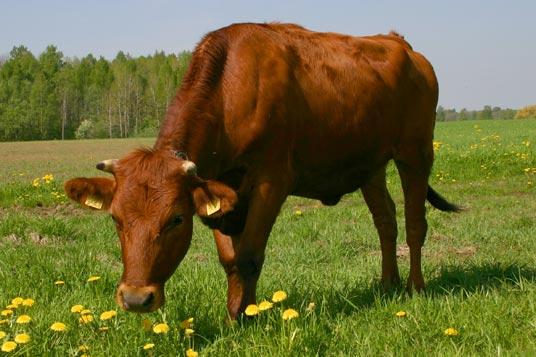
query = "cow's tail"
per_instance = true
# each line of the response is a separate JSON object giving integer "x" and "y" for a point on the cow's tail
{"x": 441, "y": 203}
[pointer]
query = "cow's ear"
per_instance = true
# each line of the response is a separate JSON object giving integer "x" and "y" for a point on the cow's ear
{"x": 95, "y": 192}
{"x": 213, "y": 199}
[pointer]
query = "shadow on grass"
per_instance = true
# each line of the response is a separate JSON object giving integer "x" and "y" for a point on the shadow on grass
{"x": 461, "y": 281}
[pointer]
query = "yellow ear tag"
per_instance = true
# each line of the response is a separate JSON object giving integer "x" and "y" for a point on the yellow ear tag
{"x": 213, "y": 207}
{"x": 94, "y": 202}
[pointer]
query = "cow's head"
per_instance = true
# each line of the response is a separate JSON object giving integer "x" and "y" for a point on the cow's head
{"x": 152, "y": 199}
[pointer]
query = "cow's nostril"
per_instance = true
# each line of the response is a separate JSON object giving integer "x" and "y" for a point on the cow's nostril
{"x": 148, "y": 300}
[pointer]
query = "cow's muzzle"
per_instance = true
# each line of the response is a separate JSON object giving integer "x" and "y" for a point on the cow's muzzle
{"x": 139, "y": 299}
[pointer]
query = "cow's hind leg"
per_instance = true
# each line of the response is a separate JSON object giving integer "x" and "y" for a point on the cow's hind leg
{"x": 414, "y": 164}
{"x": 242, "y": 256}
{"x": 383, "y": 211}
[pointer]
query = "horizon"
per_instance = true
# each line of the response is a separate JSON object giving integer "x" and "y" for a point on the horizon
{"x": 480, "y": 50}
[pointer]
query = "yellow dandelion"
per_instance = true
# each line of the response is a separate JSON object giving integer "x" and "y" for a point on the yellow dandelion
{"x": 290, "y": 314}
{"x": 85, "y": 312}
{"x": 191, "y": 353}
{"x": 104, "y": 328}
{"x": 83, "y": 348}
{"x": 17, "y": 301}
{"x": 161, "y": 328}
{"x": 9, "y": 346}
{"x": 23, "y": 319}
{"x": 93, "y": 278}
{"x": 252, "y": 310}
{"x": 401, "y": 314}
{"x": 188, "y": 332}
{"x": 3, "y": 321}
{"x": 311, "y": 306}
{"x": 148, "y": 346}
{"x": 48, "y": 178}
{"x": 106, "y": 315}
{"x": 85, "y": 319}
{"x": 22, "y": 338}
{"x": 2, "y": 334}
{"x": 12, "y": 306}
{"x": 451, "y": 332}
{"x": 35, "y": 182}
{"x": 279, "y": 296}
{"x": 186, "y": 323}
{"x": 58, "y": 327}
{"x": 265, "y": 305}
{"x": 298, "y": 212}
{"x": 77, "y": 308}
{"x": 28, "y": 302}
{"x": 437, "y": 145}
{"x": 59, "y": 282}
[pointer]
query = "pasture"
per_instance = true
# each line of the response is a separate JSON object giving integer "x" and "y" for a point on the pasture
{"x": 479, "y": 265}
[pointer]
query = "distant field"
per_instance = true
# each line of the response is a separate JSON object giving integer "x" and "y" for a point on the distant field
{"x": 480, "y": 265}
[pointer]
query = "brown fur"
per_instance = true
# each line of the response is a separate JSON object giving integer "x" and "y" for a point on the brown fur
{"x": 267, "y": 111}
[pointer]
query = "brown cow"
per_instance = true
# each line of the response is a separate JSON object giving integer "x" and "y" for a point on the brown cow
{"x": 266, "y": 111}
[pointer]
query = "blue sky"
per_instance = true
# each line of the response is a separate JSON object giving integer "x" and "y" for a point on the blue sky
{"x": 484, "y": 52}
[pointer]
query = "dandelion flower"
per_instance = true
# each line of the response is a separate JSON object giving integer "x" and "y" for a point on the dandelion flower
{"x": 311, "y": 306}
{"x": 279, "y": 296}
{"x": 28, "y": 302}
{"x": 2, "y": 334}
{"x": 48, "y": 178}
{"x": 83, "y": 348}
{"x": 23, "y": 319}
{"x": 93, "y": 278}
{"x": 298, "y": 212}
{"x": 265, "y": 305}
{"x": 85, "y": 312}
{"x": 59, "y": 282}
{"x": 161, "y": 328}
{"x": 188, "y": 332}
{"x": 191, "y": 353}
{"x": 3, "y": 321}
{"x": 9, "y": 346}
{"x": 58, "y": 327}
{"x": 85, "y": 319}
{"x": 148, "y": 346}
{"x": 451, "y": 332}
{"x": 35, "y": 182}
{"x": 289, "y": 314}
{"x": 77, "y": 308}
{"x": 22, "y": 338}
{"x": 401, "y": 314}
{"x": 12, "y": 306}
{"x": 17, "y": 301}
{"x": 106, "y": 315}
{"x": 186, "y": 323}
{"x": 252, "y": 310}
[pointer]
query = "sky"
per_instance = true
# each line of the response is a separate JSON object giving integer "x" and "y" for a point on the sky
{"x": 483, "y": 51}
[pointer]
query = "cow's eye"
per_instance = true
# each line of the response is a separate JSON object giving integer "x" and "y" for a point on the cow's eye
{"x": 174, "y": 221}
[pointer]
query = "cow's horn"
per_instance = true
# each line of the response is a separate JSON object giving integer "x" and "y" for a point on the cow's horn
{"x": 107, "y": 165}
{"x": 189, "y": 168}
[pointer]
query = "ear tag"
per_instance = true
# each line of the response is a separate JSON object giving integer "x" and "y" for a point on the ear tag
{"x": 94, "y": 202}
{"x": 213, "y": 207}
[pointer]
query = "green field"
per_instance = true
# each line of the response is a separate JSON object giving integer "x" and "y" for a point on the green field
{"x": 480, "y": 265}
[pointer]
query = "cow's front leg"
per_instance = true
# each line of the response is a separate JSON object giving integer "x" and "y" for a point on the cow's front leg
{"x": 242, "y": 256}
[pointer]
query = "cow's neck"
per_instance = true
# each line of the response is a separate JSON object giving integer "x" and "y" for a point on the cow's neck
{"x": 194, "y": 132}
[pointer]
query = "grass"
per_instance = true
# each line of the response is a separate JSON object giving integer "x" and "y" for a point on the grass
{"x": 479, "y": 265}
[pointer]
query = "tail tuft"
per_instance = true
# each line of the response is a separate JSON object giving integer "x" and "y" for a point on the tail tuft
{"x": 441, "y": 203}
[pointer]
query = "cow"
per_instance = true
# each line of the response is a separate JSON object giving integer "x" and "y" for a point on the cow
{"x": 266, "y": 111}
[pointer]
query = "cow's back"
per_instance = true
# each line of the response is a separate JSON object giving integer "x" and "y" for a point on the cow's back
{"x": 334, "y": 106}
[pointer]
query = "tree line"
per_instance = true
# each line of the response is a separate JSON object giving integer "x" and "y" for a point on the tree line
{"x": 56, "y": 97}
